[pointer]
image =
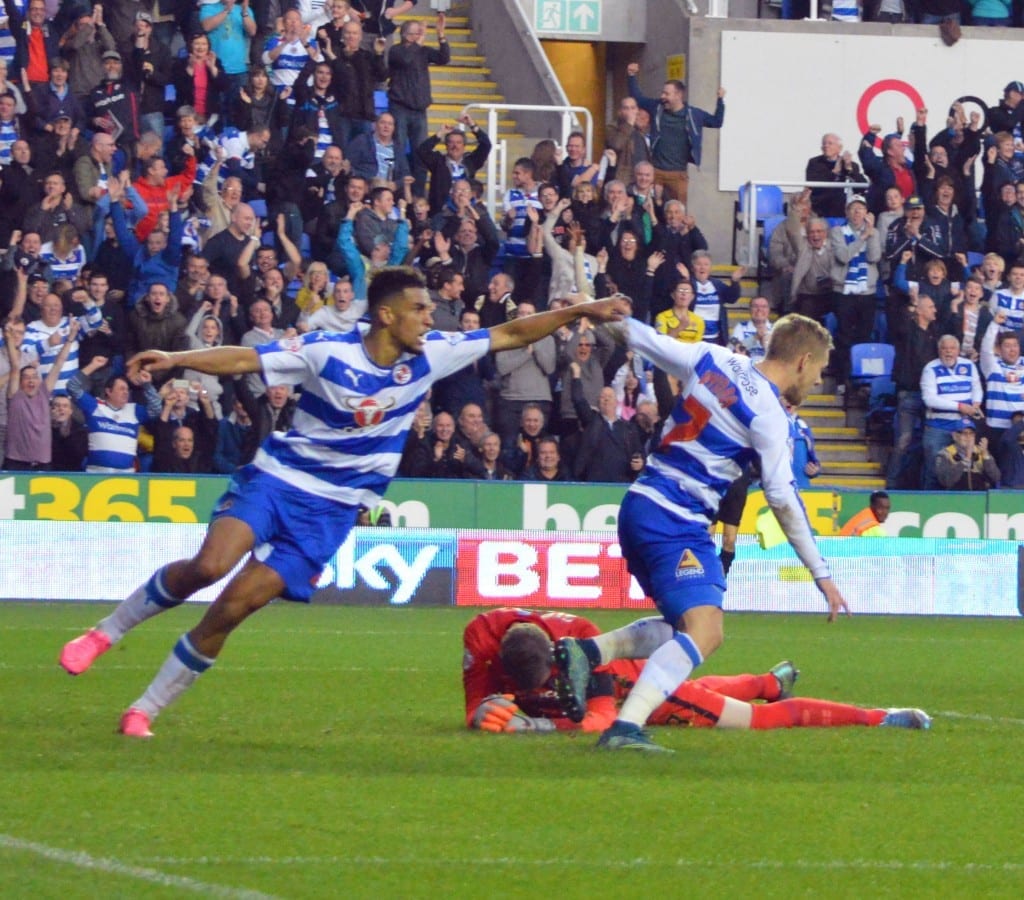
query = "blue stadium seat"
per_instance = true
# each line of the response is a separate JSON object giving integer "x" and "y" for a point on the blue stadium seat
{"x": 871, "y": 362}
{"x": 259, "y": 208}
{"x": 770, "y": 201}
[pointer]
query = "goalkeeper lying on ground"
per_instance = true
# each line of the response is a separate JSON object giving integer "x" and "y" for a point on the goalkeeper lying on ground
{"x": 508, "y": 677}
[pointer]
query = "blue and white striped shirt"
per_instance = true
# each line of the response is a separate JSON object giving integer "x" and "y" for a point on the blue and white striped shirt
{"x": 8, "y": 135}
{"x": 708, "y": 305}
{"x": 517, "y": 201}
{"x": 285, "y": 69}
{"x": 726, "y": 414}
{"x": 943, "y": 388}
{"x": 1005, "y": 301}
{"x": 353, "y": 418}
{"x": 63, "y": 268}
{"x": 37, "y": 334}
{"x": 7, "y": 44}
{"x": 1004, "y": 382}
{"x": 235, "y": 144}
{"x": 113, "y": 433}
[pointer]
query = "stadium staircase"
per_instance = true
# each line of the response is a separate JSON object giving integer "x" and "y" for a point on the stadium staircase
{"x": 839, "y": 433}
{"x": 847, "y": 460}
{"x": 467, "y": 79}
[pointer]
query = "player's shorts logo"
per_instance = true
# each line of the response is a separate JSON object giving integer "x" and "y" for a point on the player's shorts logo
{"x": 402, "y": 374}
{"x": 369, "y": 411}
{"x": 689, "y": 566}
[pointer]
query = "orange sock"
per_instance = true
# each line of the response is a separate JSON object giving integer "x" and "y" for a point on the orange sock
{"x": 802, "y": 712}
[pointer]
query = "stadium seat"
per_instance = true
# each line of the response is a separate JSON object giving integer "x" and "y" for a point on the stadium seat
{"x": 974, "y": 259}
{"x": 881, "y": 415}
{"x": 770, "y": 203}
{"x": 871, "y": 362}
{"x": 763, "y": 269}
{"x": 259, "y": 208}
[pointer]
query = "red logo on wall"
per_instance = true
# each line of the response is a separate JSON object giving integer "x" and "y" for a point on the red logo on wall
{"x": 882, "y": 87}
{"x": 544, "y": 571}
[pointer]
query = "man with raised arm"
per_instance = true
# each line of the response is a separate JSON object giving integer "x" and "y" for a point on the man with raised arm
{"x": 294, "y": 505}
{"x": 728, "y": 412}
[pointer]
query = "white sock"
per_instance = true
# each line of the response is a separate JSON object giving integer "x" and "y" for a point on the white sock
{"x": 669, "y": 666}
{"x": 637, "y": 640}
{"x": 176, "y": 675}
{"x": 143, "y": 603}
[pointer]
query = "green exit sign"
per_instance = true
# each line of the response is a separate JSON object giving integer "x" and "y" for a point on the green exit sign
{"x": 582, "y": 17}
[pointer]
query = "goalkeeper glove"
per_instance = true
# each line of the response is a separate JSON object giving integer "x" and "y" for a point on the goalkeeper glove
{"x": 518, "y": 722}
{"x": 498, "y": 713}
{"x": 494, "y": 712}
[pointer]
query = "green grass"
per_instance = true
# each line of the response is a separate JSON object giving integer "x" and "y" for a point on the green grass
{"x": 324, "y": 756}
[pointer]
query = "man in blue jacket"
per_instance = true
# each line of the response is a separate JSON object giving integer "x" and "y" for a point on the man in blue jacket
{"x": 677, "y": 131}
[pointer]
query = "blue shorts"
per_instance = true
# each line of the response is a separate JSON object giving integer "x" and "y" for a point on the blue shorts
{"x": 296, "y": 533}
{"x": 674, "y": 561}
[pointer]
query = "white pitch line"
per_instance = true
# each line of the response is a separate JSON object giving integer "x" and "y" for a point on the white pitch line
{"x": 84, "y": 860}
{"x": 637, "y": 863}
{"x": 979, "y": 717}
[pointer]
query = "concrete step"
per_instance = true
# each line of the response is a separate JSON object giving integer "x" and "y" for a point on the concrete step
{"x": 466, "y": 96}
{"x": 841, "y": 451}
{"x": 859, "y": 482}
{"x": 837, "y": 433}
{"x": 820, "y": 401}
{"x": 858, "y": 467}
{"x": 823, "y": 418}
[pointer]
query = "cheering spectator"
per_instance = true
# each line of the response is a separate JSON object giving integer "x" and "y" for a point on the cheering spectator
{"x": 915, "y": 337}
{"x": 626, "y": 140}
{"x": 455, "y": 162}
{"x": 70, "y": 439}
{"x": 856, "y": 250}
{"x": 409, "y": 88}
{"x": 28, "y": 443}
{"x": 85, "y": 45}
{"x": 525, "y": 380}
{"x": 966, "y": 464}
{"x": 113, "y": 422}
{"x": 752, "y": 335}
{"x": 157, "y": 260}
{"x": 677, "y": 131}
{"x": 548, "y": 466}
{"x": 112, "y": 106}
{"x": 360, "y": 70}
{"x": 950, "y": 390}
{"x": 835, "y": 166}
{"x": 377, "y": 154}
{"x": 230, "y": 26}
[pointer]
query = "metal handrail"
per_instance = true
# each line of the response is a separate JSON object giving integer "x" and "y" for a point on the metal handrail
{"x": 750, "y": 213}
{"x": 570, "y": 121}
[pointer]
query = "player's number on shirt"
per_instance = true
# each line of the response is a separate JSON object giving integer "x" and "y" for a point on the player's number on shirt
{"x": 689, "y": 430}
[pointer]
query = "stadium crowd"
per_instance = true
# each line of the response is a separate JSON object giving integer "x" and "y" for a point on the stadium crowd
{"x": 256, "y": 205}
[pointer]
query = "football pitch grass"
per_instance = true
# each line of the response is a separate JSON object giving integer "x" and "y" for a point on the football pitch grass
{"x": 325, "y": 756}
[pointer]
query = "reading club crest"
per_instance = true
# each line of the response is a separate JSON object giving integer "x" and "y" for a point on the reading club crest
{"x": 369, "y": 411}
{"x": 294, "y": 344}
{"x": 402, "y": 374}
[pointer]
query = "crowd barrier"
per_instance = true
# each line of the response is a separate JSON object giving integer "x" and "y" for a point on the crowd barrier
{"x": 88, "y": 561}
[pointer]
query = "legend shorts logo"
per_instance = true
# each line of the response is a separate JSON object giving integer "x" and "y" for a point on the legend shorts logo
{"x": 689, "y": 566}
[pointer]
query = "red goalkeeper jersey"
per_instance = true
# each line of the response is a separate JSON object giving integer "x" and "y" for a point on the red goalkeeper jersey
{"x": 483, "y": 675}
